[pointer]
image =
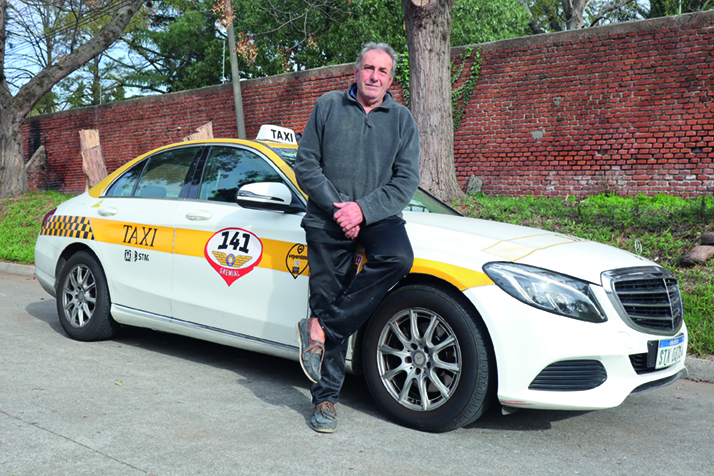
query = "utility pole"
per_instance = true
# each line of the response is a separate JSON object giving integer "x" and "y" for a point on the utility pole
{"x": 234, "y": 71}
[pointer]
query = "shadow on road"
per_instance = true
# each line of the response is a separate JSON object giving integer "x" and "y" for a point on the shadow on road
{"x": 522, "y": 420}
{"x": 46, "y": 311}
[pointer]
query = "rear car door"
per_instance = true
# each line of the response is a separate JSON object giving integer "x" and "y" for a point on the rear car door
{"x": 237, "y": 269}
{"x": 134, "y": 226}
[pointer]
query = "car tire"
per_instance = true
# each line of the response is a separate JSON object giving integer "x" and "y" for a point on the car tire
{"x": 83, "y": 299}
{"x": 427, "y": 361}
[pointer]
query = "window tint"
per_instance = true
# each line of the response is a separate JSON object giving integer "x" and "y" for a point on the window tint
{"x": 288, "y": 155}
{"x": 227, "y": 169}
{"x": 124, "y": 185}
{"x": 163, "y": 175}
{"x": 423, "y": 201}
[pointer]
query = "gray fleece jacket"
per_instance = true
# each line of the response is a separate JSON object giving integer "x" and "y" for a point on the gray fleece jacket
{"x": 347, "y": 155}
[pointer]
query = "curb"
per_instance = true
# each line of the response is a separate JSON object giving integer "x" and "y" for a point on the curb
{"x": 700, "y": 370}
{"x": 20, "y": 269}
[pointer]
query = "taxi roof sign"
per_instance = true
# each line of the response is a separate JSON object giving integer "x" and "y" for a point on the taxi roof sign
{"x": 276, "y": 134}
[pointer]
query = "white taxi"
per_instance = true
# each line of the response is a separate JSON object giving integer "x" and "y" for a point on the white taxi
{"x": 203, "y": 239}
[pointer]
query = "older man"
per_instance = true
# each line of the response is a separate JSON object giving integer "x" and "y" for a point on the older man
{"x": 358, "y": 162}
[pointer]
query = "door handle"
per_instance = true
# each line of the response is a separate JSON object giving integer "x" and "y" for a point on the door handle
{"x": 108, "y": 211}
{"x": 198, "y": 215}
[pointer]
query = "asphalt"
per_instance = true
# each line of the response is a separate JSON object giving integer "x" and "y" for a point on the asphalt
{"x": 150, "y": 403}
{"x": 700, "y": 370}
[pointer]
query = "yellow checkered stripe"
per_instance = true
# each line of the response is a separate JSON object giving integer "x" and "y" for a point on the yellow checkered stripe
{"x": 69, "y": 227}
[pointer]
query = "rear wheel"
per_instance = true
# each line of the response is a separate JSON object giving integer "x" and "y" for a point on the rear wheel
{"x": 426, "y": 360}
{"x": 83, "y": 299}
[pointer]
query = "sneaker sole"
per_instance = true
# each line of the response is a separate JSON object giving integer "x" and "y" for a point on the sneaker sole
{"x": 323, "y": 431}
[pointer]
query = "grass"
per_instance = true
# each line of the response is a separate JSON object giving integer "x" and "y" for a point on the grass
{"x": 20, "y": 222}
{"x": 665, "y": 226}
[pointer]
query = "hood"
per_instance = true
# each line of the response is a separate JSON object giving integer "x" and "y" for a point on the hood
{"x": 470, "y": 242}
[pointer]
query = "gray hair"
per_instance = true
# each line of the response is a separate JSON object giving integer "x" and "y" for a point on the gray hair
{"x": 381, "y": 47}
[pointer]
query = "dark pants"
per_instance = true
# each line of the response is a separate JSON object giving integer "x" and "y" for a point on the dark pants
{"x": 341, "y": 301}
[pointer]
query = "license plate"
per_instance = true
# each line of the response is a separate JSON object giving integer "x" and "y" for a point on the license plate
{"x": 670, "y": 351}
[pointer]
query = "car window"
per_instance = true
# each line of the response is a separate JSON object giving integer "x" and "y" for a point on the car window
{"x": 423, "y": 201}
{"x": 124, "y": 185}
{"x": 160, "y": 176}
{"x": 228, "y": 168}
{"x": 165, "y": 173}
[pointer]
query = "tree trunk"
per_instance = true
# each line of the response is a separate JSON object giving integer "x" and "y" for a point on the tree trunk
{"x": 96, "y": 83}
{"x": 13, "y": 181}
{"x": 428, "y": 25}
{"x": 573, "y": 11}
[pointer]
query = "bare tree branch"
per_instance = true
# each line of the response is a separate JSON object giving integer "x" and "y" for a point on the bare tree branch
{"x": 38, "y": 86}
{"x": 611, "y": 7}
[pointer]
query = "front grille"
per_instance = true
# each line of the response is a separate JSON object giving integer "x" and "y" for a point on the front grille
{"x": 570, "y": 376}
{"x": 648, "y": 297}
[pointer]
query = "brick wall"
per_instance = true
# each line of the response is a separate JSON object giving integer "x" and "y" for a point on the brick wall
{"x": 627, "y": 108}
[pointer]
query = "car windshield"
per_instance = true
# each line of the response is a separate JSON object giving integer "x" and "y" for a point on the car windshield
{"x": 422, "y": 201}
{"x": 287, "y": 154}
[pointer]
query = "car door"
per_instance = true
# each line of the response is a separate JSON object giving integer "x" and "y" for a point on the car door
{"x": 237, "y": 269}
{"x": 134, "y": 227}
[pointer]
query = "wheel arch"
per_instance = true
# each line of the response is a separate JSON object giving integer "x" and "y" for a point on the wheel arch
{"x": 70, "y": 251}
{"x": 439, "y": 284}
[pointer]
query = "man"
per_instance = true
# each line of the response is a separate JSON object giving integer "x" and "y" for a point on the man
{"x": 358, "y": 162}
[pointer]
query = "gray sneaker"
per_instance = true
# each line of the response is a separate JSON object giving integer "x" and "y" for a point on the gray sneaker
{"x": 311, "y": 352}
{"x": 324, "y": 419}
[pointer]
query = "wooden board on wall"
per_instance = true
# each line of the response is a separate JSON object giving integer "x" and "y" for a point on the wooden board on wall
{"x": 92, "y": 159}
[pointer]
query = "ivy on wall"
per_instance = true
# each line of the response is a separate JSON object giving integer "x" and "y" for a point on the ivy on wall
{"x": 460, "y": 96}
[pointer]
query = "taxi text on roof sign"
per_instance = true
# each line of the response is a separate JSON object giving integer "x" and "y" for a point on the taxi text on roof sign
{"x": 276, "y": 134}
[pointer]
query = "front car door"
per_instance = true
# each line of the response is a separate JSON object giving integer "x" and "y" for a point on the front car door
{"x": 237, "y": 269}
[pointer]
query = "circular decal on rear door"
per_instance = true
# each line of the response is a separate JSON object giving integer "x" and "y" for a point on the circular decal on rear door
{"x": 233, "y": 252}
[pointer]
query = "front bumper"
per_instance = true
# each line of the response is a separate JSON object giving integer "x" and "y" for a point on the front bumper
{"x": 530, "y": 345}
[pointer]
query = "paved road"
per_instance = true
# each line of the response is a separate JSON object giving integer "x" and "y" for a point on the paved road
{"x": 150, "y": 403}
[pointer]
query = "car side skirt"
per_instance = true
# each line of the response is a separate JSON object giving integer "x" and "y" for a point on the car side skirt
{"x": 135, "y": 317}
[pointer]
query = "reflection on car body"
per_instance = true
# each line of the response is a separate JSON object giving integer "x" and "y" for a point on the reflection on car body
{"x": 203, "y": 239}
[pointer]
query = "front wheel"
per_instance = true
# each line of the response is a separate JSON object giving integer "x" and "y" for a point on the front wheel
{"x": 427, "y": 361}
{"x": 83, "y": 299}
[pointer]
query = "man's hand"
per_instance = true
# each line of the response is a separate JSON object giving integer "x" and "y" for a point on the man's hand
{"x": 349, "y": 217}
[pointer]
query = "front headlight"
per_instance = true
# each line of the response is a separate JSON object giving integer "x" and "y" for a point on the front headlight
{"x": 547, "y": 290}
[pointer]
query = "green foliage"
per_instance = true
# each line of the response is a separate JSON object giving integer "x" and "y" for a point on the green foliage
{"x": 331, "y": 34}
{"x": 185, "y": 48}
{"x": 401, "y": 74}
{"x": 461, "y": 95}
{"x": 481, "y": 21}
{"x": 182, "y": 48}
{"x": 665, "y": 226}
{"x": 179, "y": 50}
{"x": 20, "y": 222}
{"x": 698, "y": 307}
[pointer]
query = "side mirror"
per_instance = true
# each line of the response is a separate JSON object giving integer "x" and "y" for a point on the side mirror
{"x": 267, "y": 196}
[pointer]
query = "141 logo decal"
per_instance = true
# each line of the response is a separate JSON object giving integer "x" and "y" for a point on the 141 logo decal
{"x": 233, "y": 252}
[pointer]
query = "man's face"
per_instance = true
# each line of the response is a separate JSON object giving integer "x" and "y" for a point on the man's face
{"x": 374, "y": 77}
